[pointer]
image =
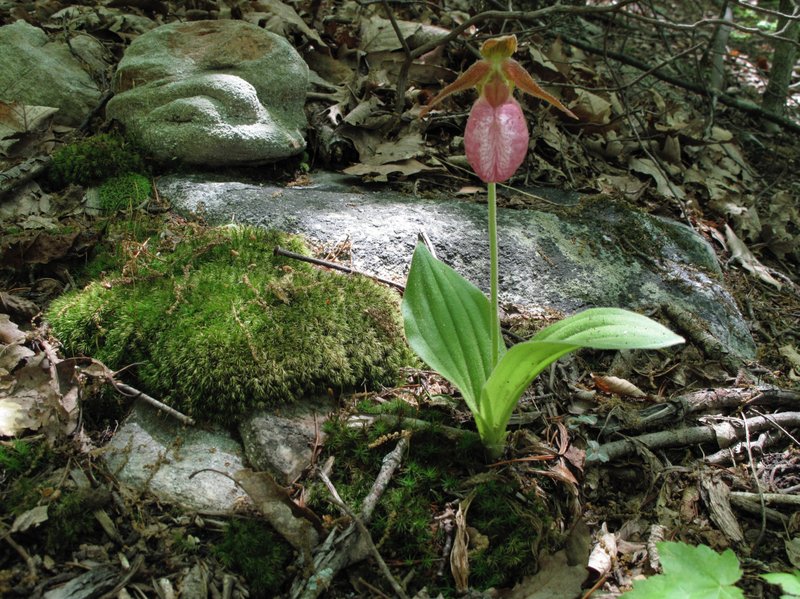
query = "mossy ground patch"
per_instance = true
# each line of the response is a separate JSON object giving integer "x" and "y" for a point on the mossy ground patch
{"x": 510, "y": 523}
{"x": 217, "y": 325}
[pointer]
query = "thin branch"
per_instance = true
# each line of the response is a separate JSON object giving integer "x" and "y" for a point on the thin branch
{"x": 778, "y": 35}
{"x": 133, "y": 393}
{"x": 279, "y": 251}
{"x": 692, "y": 436}
{"x": 742, "y": 105}
{"x": 502, "y": 15}
{"x": 767, "y": 11}
{"x": 342, "y": 548}
{"x": 365, "y": 535}
{"x": 402, "y": 78}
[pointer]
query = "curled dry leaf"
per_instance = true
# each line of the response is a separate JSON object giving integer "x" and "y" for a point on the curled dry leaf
{"x": 604, "y": 553}
{"x": 741, "y": 254}
{"x": 618, "y": 386}
{"x": 459, "y": 556}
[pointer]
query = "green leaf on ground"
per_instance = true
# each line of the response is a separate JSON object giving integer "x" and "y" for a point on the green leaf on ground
{"x": 691, "y": 573}
{"x": 789, "y": 583}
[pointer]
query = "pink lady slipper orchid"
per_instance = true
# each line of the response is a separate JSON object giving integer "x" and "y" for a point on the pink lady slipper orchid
{"x": 496, "y": 138}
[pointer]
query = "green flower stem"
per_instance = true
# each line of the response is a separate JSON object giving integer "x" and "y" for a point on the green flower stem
{"x": 494, "y": 323}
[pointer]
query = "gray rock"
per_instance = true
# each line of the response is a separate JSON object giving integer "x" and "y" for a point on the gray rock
{"x": 280, "y": 441}
{"x": 40, "y": 72}
{"x": 214, "y": 93}
{"x": 595, "y": 253}
{"x": 153, "y": 452}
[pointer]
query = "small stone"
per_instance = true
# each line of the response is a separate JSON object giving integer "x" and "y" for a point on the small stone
{"x": 153, "y": 452}
{"x": 281, "y": 441}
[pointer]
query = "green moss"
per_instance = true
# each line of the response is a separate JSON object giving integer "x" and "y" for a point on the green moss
{"x": 94, "y": 159}
{"x": 124, "y": 191}
{"x": 436, "y": 472}
{"x": 218, "y": 325}
{"x": 19, "y": 456}
{"x": 253, "y": 549}
{"x": 20, "y": 463}
{"x": 71, "y": 521}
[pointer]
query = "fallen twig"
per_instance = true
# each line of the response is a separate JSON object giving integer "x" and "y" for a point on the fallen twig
{"x": 337, "y": 500}
{"x": 701, "y": 401}
{"x": 342, "y": 548}
{"x": 133, "y": 393}
{"x": 279, "y": 251}
{"x": 725, "y": 434}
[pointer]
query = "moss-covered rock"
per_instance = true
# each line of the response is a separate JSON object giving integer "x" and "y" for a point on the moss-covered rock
{"x": 124, "y": 191}
{"x": 218, "y": 325}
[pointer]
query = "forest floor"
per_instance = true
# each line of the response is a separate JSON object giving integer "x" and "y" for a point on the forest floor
{"x": 665, "y": 149}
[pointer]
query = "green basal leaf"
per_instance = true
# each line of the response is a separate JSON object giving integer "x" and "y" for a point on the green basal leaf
{"x": 610, "y": 328}
{"x": 447, "y": 324}
{"x": 597, "y": 328}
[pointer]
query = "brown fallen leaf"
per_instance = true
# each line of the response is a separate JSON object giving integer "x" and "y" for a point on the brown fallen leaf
{"x": 742, "y": 255}
{"x": 17, "y": 306}
{"x": 459, "y": 555}
{"x": 618, "y": 386}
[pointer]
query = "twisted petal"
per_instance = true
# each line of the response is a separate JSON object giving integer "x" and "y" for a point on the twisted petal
{"x": 517, "y": 73}
{"x": 469, "y": 78}
{"x": 496, "y": 139}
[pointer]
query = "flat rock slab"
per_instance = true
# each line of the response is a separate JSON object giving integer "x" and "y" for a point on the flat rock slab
{"x": 153, "y": 452}
{"x": 597, "y": 252}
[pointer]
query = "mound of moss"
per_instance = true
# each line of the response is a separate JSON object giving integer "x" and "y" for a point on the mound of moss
{"x": 124, "y": 191}
{"x": 94, "y": 159}
{"x": 217, "y": 325}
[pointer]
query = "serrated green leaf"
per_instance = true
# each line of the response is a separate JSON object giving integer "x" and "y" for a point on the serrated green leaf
{"x": 789, "y": 583}
{"x": 447, "y": 324}
{"x": 691, "y": 573}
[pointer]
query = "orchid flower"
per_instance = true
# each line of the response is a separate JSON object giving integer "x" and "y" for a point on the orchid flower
{"x": 496, "y": 138}
{"x": 449, "y": 322}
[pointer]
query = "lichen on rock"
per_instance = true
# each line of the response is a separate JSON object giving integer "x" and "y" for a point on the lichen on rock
{"x": 217, "y": 325}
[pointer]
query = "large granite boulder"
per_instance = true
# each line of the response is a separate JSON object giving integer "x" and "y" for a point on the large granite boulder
{"x": 214, "y": 93}
{"x": 37, "y": 71}
{"x": 595, "y": 252}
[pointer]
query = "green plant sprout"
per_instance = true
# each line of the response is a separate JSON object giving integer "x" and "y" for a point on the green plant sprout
{"x": 449, "y": 322}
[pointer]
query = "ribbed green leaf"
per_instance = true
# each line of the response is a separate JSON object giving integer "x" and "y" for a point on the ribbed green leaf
{"x": 610, "y": 328}
{"x": 598, "y": 328}
{"x": 513, "y": 374}
{"x": 447, "y": 324}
